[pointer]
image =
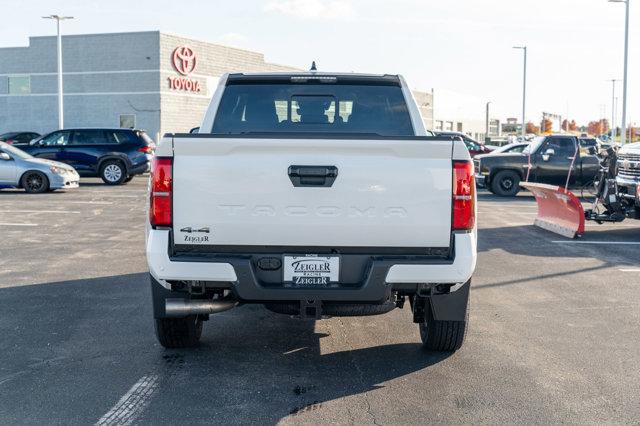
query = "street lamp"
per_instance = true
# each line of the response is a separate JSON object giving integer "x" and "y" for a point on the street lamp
{"x": 623, "y": 135}
{"x": 59, "y": 18}
{"x": 613, "y": 108}
{"x": 486, "y": 122}
{"x": 524, "y": 88}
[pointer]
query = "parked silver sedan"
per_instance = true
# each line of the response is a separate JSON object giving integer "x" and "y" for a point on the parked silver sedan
{"x": 35, "y": 175}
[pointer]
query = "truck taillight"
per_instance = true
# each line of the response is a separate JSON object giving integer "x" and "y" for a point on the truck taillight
{"x": 463, "y": 196}
{"x": 161, "y": 187}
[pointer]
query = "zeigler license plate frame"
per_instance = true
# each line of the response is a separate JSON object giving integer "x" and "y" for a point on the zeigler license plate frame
{"x": 311, "y": 270}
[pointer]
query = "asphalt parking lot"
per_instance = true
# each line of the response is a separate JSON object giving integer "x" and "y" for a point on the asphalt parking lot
{"x": 554, "y": 332}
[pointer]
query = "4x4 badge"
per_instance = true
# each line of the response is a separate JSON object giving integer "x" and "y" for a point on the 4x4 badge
{"x": 189, "y": 230}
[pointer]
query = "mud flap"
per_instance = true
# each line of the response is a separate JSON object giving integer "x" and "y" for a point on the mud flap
{"x": 451, "y": 306}
{"x": 159, "y": 294}
{"x": 559, "y": 210}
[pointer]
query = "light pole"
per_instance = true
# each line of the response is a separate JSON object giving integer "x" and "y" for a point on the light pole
{"x": 613, "y": 108}
{"x": 486, "y": 121}
{"x": 524, "y": 88}
{"x": 623, "y": 134}
{"x": 59, "y": 18}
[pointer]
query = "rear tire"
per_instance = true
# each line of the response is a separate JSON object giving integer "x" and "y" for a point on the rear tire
{"x": 34, "y": 182}
{"x": 442, "y": 336}
{"x": 113, "y": 172}
{"x": 505, "y": 183}
{"x": 175, "y": 333}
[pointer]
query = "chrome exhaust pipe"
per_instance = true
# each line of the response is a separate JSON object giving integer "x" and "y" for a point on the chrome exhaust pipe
{"x": 184, "y": 307}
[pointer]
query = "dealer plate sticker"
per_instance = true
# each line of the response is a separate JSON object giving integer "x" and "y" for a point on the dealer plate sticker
{"x": 311, "y": 270}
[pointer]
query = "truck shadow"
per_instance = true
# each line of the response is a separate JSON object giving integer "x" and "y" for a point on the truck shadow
{"x": 92, "y": 340}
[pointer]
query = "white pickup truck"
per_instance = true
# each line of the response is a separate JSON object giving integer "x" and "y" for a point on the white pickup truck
{"x": 315, "y": 195}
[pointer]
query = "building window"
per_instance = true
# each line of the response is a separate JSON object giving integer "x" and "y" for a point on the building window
{"x": 19, "y": 85}
{"x": 459, "y": 127}
{"x": 127, "y": 121}
{"x": 438, "y": 125}
{"x": 448, "y": 126}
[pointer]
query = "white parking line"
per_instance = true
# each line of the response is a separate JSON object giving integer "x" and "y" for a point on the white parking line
{"x": 17, "y": 224}
{"x": 630, "y": 270}
{"x": 41, "y": 211}
{"x": 89, "y": 202}
{"x": 142, "y": 195}
{"x": 632, "y": 243}
{"x": 132, "y": 404}
{"x": 612, "y": 225}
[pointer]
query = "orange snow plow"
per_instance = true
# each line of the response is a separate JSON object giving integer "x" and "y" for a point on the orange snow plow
{"x": 559, "y": 210}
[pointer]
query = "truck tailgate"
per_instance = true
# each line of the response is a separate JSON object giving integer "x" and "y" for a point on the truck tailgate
{"x": 238, "y": 192}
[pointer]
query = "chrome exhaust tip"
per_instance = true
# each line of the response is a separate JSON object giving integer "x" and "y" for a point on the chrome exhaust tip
{"x": 185, "y": 307}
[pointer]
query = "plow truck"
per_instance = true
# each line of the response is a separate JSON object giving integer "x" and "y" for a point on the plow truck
{"x": 553, "y": 164}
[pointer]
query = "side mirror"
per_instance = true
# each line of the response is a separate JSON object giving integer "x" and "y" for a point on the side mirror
{"x": 4, "y": 156}
{"x": 195, "y": 130}
{"x": 548, "y": 153}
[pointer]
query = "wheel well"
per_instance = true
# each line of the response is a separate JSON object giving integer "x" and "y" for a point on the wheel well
{"x": 31, "y": 171}
{"x": 495, "y": 172}
{"x": 116, "y": 158}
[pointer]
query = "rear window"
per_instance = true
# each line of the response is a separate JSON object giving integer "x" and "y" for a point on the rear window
{"x": 122, "y": 136}
{"x": 313, "y": 108}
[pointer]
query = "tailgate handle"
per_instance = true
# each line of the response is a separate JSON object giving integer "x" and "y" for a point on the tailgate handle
{"x": 322, "y": 176}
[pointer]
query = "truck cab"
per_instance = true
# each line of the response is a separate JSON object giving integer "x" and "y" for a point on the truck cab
{"x": 547, "y": 159}
{"x": 628, "y": 178}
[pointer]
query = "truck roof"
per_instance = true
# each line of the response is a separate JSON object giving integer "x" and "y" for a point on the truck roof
{"x": 391, "y": 79}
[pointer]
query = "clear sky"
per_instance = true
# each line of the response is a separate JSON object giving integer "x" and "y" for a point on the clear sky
{"x": 461, "y": 45}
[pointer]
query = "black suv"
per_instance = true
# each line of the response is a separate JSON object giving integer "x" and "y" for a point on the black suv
{"x": 115, "y": 155}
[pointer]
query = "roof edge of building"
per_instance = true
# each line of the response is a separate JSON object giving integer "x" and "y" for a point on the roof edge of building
{"x": 98, "y": 34}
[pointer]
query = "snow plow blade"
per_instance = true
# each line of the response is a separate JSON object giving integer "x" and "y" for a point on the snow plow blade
{"x": 559, "y": 211}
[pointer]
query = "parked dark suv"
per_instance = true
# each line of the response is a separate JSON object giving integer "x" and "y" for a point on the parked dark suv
{"x": 115, "y": 155}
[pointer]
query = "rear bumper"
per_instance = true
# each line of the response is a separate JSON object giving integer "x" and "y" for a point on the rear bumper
{"x": 382, "y": 276}
{"x": 141, "y": 168}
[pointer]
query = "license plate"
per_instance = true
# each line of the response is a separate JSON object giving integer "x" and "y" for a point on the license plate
{"x": 311, "y": 270}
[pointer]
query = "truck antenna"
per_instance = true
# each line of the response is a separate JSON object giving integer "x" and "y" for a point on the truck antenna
{"x": 313, "y": 66}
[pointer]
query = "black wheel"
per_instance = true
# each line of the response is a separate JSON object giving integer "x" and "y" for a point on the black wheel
{"x": 179, "y": 332}
{"x": 128, "y": 179}
{"x": 505, "y": 183}
{"x": 442, "y": 336}
{"x": 35, "y": 182}
{"x": 113, "y": 172}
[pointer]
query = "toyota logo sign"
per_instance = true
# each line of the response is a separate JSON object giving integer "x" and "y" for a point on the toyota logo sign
{"x": 184, "y": 60}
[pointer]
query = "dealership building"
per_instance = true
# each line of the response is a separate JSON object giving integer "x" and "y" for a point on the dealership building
{"x": 149, "y": 80}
